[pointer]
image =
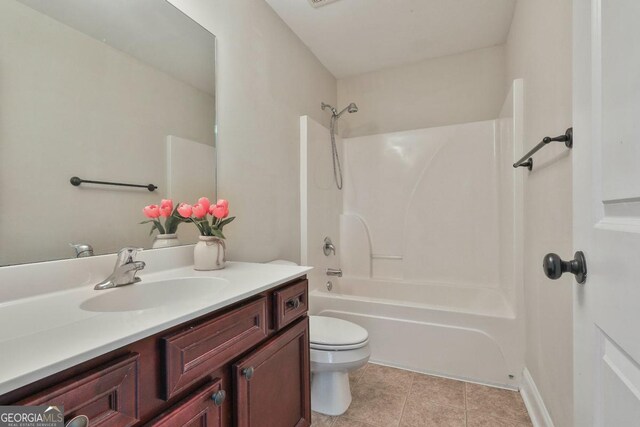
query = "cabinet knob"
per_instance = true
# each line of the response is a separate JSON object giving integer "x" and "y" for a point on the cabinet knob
{"x": 79, "y": 421}
{"x": 293, "y": 303}
{"x": 218, "y": 397}
{"x": 248, "y": 372}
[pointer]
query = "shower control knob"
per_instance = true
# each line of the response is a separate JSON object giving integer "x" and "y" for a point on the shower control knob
{"x": 554, "y": 266}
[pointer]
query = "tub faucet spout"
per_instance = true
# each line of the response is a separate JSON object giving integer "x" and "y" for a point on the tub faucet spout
{"x": 334, "y": 272}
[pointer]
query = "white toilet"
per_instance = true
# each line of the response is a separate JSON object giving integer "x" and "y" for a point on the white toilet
{"x": 337, "y": 347}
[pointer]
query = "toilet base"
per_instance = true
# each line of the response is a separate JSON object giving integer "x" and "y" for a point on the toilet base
{"x": 330, "y": 392}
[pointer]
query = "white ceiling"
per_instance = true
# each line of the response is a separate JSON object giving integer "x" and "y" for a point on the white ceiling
{"x": 356, "y": 36}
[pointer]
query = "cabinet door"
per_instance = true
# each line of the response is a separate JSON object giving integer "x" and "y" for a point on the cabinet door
{"x": 202, "y": 409}
{"x": 272, "y": 384}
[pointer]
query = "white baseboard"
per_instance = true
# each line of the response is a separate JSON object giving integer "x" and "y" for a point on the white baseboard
{"x": 533, "y": 401}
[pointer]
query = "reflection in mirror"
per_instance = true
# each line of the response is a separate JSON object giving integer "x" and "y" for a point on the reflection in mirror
{"x": 105, "y": 90}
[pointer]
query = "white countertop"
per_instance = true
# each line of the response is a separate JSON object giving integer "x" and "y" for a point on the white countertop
{"x": 49, "y": 332}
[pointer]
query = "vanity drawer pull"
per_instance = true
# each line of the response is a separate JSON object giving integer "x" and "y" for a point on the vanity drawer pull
{"x": 291, "y": 303}
{"x": 218, "y": 397}
{"x": 193, "y": 353}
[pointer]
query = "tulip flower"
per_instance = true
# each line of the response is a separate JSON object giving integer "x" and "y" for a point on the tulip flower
{"x": 197, "y": 214}
{"x": 185, "y": 210}
{"x": 203, "y": 201}
{"x": 219, "y": 211}
{"x": 166, "y": 203}
{"x": 151, "y": 211}
{"x": 198, "y": 211}
{"x": 166, "y": 211}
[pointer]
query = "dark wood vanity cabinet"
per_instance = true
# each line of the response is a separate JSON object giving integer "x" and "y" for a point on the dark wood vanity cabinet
{"x": 202, "y": 409}
{"x": 245, "y": 365}
{"x": 272, "y": 383}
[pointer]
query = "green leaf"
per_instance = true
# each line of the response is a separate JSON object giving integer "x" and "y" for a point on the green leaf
{"x": 217, "y": 233}
{"x": 225, "y": 222}
{"x": 146, "y": 222}
{"x": 171, "y": 225}
{"x": 207, "y": 227}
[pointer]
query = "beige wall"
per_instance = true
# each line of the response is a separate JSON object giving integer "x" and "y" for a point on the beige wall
{"x": 267, "y": 78}
{"x": 449, "y": 90}
{"x": 71, "y": 105}
{"x": 539, "y": 50}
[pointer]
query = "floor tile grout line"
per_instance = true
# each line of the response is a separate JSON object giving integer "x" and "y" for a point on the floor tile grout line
{"x": 406, "y": 398}
{"x": 466, "y": 413}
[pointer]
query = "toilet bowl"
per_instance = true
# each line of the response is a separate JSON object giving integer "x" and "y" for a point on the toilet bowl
{"x": 337, "y": 347}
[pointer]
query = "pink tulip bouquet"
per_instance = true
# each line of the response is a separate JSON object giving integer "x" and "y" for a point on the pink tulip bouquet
{"x": 198, "y": 212}
{"x": 164, "y": 210}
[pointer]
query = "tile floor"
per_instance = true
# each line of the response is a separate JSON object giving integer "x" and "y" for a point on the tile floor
{"x": 386, "y": 397}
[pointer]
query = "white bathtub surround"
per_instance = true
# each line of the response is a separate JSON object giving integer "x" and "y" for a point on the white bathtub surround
{"x": 431, "y": 248}
{"x": 53, "y": 306}
{"x": 429, "y": 207}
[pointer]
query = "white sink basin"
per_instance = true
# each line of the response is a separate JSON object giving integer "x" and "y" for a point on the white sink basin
{"x": 147, "y": 295}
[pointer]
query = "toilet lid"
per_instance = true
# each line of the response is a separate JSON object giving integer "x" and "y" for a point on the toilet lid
{"x": 329, "y": 332}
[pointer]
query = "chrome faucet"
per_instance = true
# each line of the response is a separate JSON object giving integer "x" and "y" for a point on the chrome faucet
{"x": 334, "y": 272}
{"x": 82, "y": 250}
{"x": 124, "y": 272}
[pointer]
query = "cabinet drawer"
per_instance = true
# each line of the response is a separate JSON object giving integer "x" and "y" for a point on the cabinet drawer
{"x": 191, "y": 354}
{"x": 107, "y": 395}
{"x": 291, "y": 302}
{"x": 202, "y": 409}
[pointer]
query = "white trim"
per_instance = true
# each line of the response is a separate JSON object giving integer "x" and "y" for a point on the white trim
{"x": 533, "y": 401}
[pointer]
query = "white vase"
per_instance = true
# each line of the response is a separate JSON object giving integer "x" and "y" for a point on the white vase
{"x": 209, "y": 254}
{"x": 165, "y": 241}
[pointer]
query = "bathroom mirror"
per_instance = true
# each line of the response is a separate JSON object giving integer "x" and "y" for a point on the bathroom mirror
{"x": 118, "y": 91}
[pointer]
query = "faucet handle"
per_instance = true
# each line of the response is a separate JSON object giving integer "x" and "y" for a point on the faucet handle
{"x": 127, "y": 255}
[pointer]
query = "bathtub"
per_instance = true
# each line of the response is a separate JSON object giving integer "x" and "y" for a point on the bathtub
{"x": 466, "y": 333}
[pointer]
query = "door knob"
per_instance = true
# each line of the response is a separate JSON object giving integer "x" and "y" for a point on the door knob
{"x": 554, "y": 266}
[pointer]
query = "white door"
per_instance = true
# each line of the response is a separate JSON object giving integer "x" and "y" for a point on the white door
{"x": 606, "y": 180}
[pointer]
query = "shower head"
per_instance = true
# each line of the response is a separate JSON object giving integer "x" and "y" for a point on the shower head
{"x": 351, "y": 108}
